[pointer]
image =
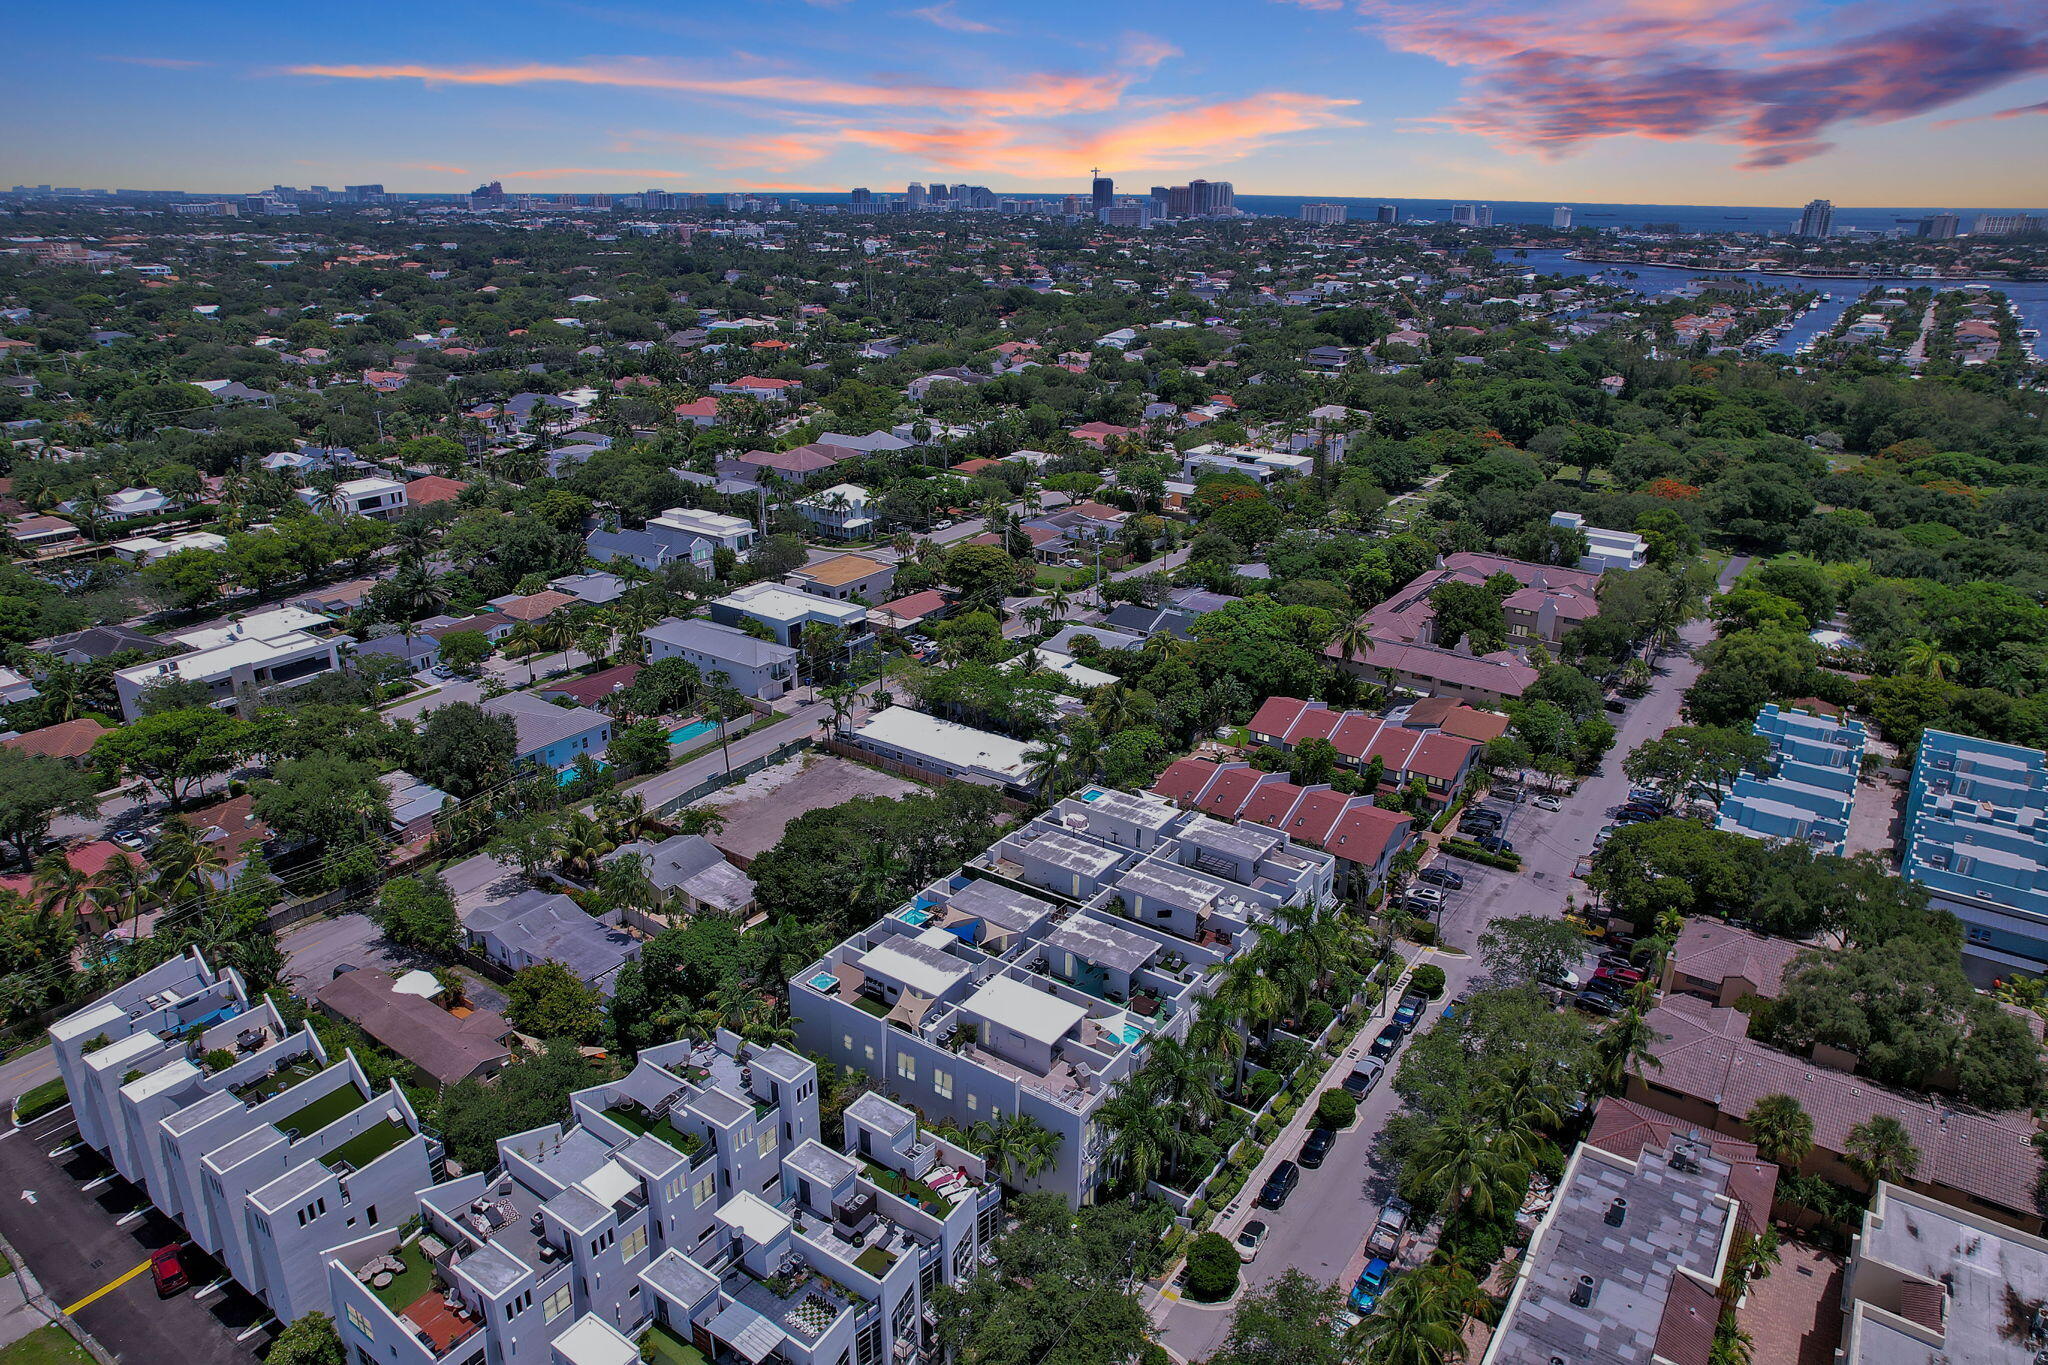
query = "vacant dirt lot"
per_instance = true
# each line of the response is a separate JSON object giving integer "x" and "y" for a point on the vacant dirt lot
{"x": 760, "y": 808}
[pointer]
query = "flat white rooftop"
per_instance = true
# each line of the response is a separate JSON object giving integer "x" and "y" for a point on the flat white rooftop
{"x": 1038, "y": 1015}
{"x": 947, "y": 742}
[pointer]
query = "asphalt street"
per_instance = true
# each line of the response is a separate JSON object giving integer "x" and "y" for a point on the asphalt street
{"x": 77, "y": 1227}
{"x": 1322, "y": 1228}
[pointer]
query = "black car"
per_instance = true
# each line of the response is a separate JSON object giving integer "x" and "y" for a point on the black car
{"x": 1441, "y": 876}
{"x": 1493, "y": 843}
{"x": 1598, "y": 1002}
{"x": 1279, "y": 1185}
{"x": 1364, "y": 1077}
{"x": 1386, "y": 1041}
{"x": 1320, "y": 1140}
{"x": 1637, "y": 810}
{"x": 1480, "y": 816}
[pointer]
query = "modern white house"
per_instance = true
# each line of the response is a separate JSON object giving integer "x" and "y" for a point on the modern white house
{"x": 377, "y": 497}
{"x": 724, "y": 532}
{"x": 1621, "y": 550}
{"x": 1035, "y": 979}
{"x": 789, "y": 611}
{"x": 840, "y": 512}
{"x": 945, "y": 748}
{"x": 258, "y": 652}
{"x": 124, "y": 503}
{"x": 149, "y": 549}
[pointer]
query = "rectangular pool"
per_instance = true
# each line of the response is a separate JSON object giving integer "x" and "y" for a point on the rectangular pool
{"x": 692, "y": 731}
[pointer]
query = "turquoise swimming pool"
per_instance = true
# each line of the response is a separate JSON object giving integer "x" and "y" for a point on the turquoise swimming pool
{"x": 825, "y": 981}
{"x": 914, "y": 915}
{"x": 691, "y": 731}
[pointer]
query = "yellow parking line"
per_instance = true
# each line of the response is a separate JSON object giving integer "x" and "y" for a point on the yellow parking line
{"x": 105, "y": 1289}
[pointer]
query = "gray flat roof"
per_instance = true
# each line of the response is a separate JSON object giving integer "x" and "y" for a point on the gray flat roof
{"x": 884, "y": 1115}
{"x": 720, "y": 642}
{"x": 680, "y": 1279}
{"x": 1001, "y": 905}
{"x": 1064, "y": 850}
{"x": 1103, "y": 943}
{"x": 820, "y": 1163}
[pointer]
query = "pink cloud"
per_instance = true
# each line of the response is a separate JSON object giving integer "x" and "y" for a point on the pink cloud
{"x": 442, "y": 167}
{"x": 1548, "y": 79}
{"x": 555, "y": 172}
{"x": 1034, "y": 95}
{"x": 166, "y": 63}
{"x": 2021, "y": 112}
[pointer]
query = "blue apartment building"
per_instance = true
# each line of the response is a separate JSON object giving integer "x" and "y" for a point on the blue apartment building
{"x": 1807, "y": 787}
{"x": 1977, "y": 839}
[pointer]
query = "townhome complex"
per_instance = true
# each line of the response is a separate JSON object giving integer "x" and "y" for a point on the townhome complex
{"x": 695, "y": 1198}
{"x": 1033, "y": 979}
{"x": 1977, "y": 839}
{"x": 1806, "y": 788}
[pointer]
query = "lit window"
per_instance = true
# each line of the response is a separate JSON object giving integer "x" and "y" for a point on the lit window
{"x": 556, "y": 1305}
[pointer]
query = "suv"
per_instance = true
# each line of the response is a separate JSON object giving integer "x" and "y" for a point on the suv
{"x": 1318, "y": 1145}
{"x": 1372, "y": 1282}
{"x": 1424, "y": 895}
{"x": 1386, "y": 1041}
{"x": 1479, "y": 817}
{"x": 1279, "y": 1185}
{"x": 1364, "y": 1077}
{"x": 167, "y": 1271}
{"x": 1409, "y": 1011}
{"x": 1442, "y": 876}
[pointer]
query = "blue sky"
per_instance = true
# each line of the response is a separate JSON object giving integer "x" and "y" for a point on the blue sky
{"x": 1735, "y": 101}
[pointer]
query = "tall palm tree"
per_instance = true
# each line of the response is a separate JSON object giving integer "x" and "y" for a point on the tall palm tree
{"x": 525, "y": 638}
{"x": 1052, "y": 762}
{"x": 1466, "y": 1163}
{"x": 1186, "y": 1078}
{"x": 59, "y": 885}
{"x": 1926, "y": 659}
{"x": 1016, "y": 1146}
{"x": 121, "y": 889}
{"x": 184, "y": 864}
{"x": 1143, "y": 1134}
{"x": 1881, "y": 1150}
{"x": 1418, "y": 1322}
{"x": 1781, "y": 1129}
{"x": 1624, "y": 1049}
{"x": 1354, "y": 642}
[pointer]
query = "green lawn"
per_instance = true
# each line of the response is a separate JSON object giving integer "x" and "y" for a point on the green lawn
{"x": 405, "y": 1290}
{"x": 916, "y": 1191}
{"x": 373, "y": 1142}
{"x": 1054, "y": 575}
{"x": 278, "y": 1081}
{"x": 46, "y": 1346}
{"x": 311, "y": 1118}
{"x": 40, "y": 1100}
{"x": 630, "y": 1119}
{"x": 868, "y": 1003}
{"x": 662, "y": 1345}
{"x": 875, "y": 1261}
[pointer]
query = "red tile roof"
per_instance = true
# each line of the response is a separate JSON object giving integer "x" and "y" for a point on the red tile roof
{"x": 426, "y": 491}
{"x": 1444, "y": 757}
{"x": 536, "y": 606}
{"x": 1185, "y": 780}
{"x": 1365, "y": 833}
{"x": 703, "y": 407}
{"x": 1276, "y": 715}
{"x": 1271, "y": 804}
{"x": 1228, "y": 793}
{"x": 1316, "y": 815}
{"x": 69, "y": 739}
{"x": 595, "y": 688}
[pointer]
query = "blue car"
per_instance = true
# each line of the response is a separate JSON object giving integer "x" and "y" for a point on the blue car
{"x": 1372, "y": 1282}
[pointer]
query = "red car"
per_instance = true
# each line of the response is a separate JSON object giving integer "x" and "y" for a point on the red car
{"x": 168, "y": 1271}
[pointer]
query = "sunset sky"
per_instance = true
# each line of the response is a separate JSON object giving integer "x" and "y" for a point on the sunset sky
{"x": 1675, "y": 101}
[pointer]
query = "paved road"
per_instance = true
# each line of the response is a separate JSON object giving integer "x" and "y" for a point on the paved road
{"x": 1322, "y": 1229}
{"x": 73, "y": 1238}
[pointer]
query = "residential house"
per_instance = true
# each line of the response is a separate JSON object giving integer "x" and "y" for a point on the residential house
{"x": 379, "y": 497}
{"x": 1724, "y": 965}
{"x": 552, "y": 736}
{"x": 259, "y": 652}
{"x": 693, "y": 877}
{"x": 1440, "y": 759}
{"x": 763, "y": 390}
{"x": 1364, "y": 838}
{"x": 1710, "y": 1072}
{"x": 445, "y": 1047}
{"x": 754, "y": 668}
{"x": 844, "y": 577}
{"x": 1805, "y": 790}
{"x": 70, "y": 741}
{"x": 1928, "y": 1282}
{"x": 787, "y": 613}
{"x": 944, "y": 748}
{"x": 1620, "y": 551}
{"x": 538, "y": 926}
{"x": 99, "y": 642}
{"x": 591, "y": 689}
{"x": 840, "y": 512}
{"x": 415, "y": 803}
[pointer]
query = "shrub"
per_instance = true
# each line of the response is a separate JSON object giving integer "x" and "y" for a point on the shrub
{"x": 1212, "y": 1268}
{"x": 1428, "y": 979}
{"x": 1318, "y": 1015}
{"x": 1335, "y": 1109}
{"x": 219, "y": 1059}
{"x": 39, "y": 1101}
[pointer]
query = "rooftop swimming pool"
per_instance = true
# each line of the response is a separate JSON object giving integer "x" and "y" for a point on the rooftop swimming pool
{"x": 1093, "y": 793}
{"x": 825, "y": 981}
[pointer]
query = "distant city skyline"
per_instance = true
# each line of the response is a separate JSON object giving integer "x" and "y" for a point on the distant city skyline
{"x": 1567, "y": 100}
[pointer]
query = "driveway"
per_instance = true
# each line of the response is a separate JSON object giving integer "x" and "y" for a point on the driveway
{"x": 79, "y": 1241}
{"x": 314, "y": 949}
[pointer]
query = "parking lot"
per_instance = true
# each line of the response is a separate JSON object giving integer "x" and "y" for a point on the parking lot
{"x": 82, "y": 1229}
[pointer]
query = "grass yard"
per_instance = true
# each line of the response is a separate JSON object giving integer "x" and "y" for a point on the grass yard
{"x": 33, "y": 1104}
{"x": 46, "y": 1346}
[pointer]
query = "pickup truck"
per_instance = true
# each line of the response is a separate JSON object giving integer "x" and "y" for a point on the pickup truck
{"x": 1388, "y": 1233}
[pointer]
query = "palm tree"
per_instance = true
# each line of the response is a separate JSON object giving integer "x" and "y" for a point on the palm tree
{"x": 1058, "y": 601}
{"x": 1247, "y": 995}
{"x": 1016, "y": 1146}
{"x": 121, "y": 889}
{"x": 584, "y": 842}
{"x": 57, "y": 884}
{"x": 1418, "y": 1322}
{"x": 1143, "y": 1136}
{"x": 1881, "y": 1151}
{"x": 1051, "y": 763}
{"x": 842, "y": 699}
{"x": 1926, "y": 659}
{"x": 183, "y": 863}
{"x": 1186, "y": 1078}
{"x": 1467, "y": 1164}
{"x": 1781, "y": 1129}
{"x": 525, "y": 638}
{"x": 1623, "y": 1049}
{"x": 1354, "y": 642}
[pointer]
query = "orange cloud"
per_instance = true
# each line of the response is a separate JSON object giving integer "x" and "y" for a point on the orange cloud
{"x": 768, "y": 151}
{"x": 553, "y": 171}
{"x": 1039, "y": 95}
{"x": 436, "y": 166}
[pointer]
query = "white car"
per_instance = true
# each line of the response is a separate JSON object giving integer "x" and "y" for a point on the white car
{"x": 1549, "y": 803}
{"x": 1250, "y": 1238}
{"x": 1425, "y": 895}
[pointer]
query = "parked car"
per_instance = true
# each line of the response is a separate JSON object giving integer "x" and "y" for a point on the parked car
{"x": 1412, "y": 1005}
{"x": 1372, "y": 1282}
{"x": 1598, "y": 1002}
{"x": 1315, "y": 1147}
{"x": 1479, "y": 819}
{"x": 1649, "y": 796}
{"x": 1386, "y": 1041}
{"x": 1564, "y": 978}
{"x": 167, "y": 1271}
{"x": 1493, "y": 843}
{"x": 1442, "y": 876}
{"x": 1388, "y": 1232}
{"x": 1608, "y": 971}
{"x": 1549, "y": 802}
{"x": 1279, "y": 1185}
{"x": 1249, "y": 1239}
{"x": 1425, "y": 895}
{"x": 130, "y": 839}
{"x": 1364, "y": 1077}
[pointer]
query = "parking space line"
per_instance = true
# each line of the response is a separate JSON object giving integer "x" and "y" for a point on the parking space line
{"x": 106, "y": 1289}
{"x": 261, "y": 1326}
{"x": 91, "y": 1185}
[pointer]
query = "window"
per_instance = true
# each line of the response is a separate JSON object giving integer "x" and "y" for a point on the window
{"x": 870, "y": 1050}
{"x": 942, "y": 1083}
{"x": 846, "y": 1040}
{"x": 973, "y": 1102}
{"x": 765, "y": 1141}
{"x": 635, "y": 1243}
{"x": 557, "y": 1304}
{"x": 906, "y": 1066}
{"x": 358, "y": 1321}
{"x": 704, "y": 1189}
{"x": 674, "y": 1189}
